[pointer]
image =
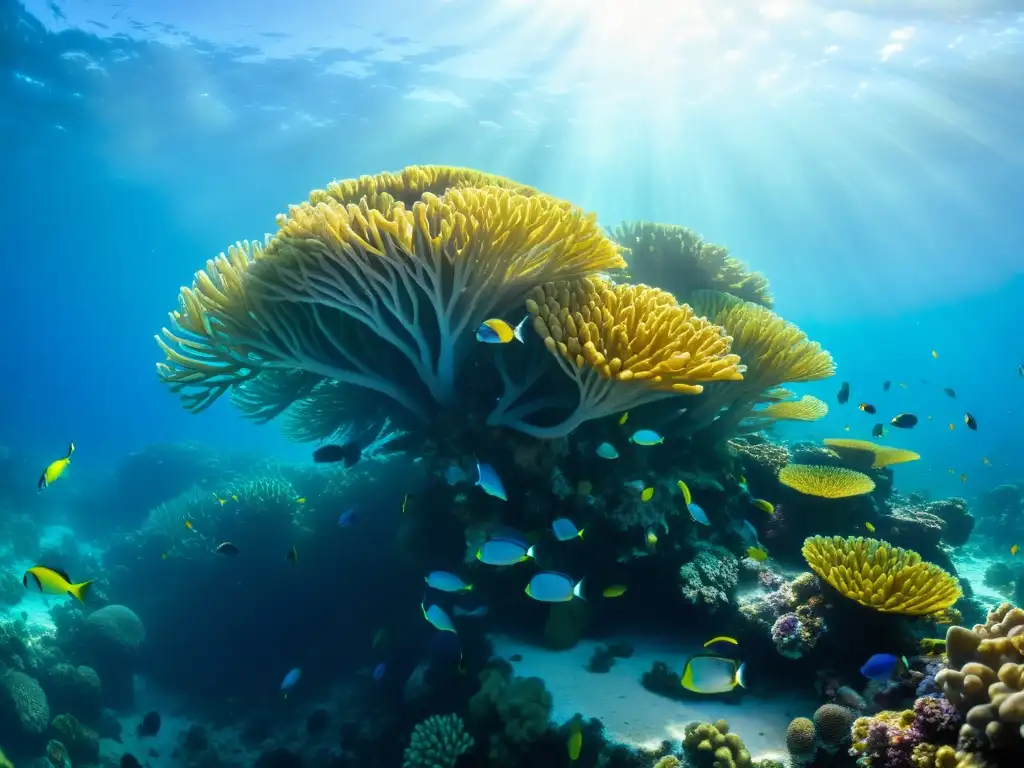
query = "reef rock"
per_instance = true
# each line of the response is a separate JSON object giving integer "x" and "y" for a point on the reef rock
{"x": 23, "y": 704}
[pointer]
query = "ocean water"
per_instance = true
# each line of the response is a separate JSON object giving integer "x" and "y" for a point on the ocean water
{"x": 865, "y": 157}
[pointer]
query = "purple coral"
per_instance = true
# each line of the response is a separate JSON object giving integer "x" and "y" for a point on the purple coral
{"x": 788, "y": 637}
{"x": 936, "y": 720}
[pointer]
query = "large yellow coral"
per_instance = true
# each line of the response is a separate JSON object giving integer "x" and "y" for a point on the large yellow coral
{"x": 678, "y": 260}
{"x": 625, "y": 345}
{"x": 880, "y": 576}
{"x": 375, "y": 299}
{"x": 807, "y": 408}
{"x": 826, "y": 482}
{"x": 884, "y": 456}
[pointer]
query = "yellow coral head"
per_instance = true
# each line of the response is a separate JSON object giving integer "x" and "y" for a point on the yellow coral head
{"x": 880, "y": 576}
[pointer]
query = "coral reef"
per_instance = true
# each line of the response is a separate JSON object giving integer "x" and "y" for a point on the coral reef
{"x": 709, "y": 579}
{"x": 801, "y": 739}
{"x": 82, "y": 743}
{"x": 791, "y": 614}
{"x": 23, "y": 704}
{"x": 825, "y": 482}
{"x": 437, "y": 742}
{"x": 909, "y": 738}
{"x": 513, "y": 711}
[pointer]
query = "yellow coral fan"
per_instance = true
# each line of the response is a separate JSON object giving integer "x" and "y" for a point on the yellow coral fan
{"x": 776, "y": 395}
{"x": 371, "y": 298}
{"x": 626, "y": 345}
{"x": 884, "y": 456}
{"x": 678, "y": 260}
{"x": 880, "y": 576}
{"x": 826, "y": 482}
{"x": 410, "y": 184}
{"x": 807, "y": 408}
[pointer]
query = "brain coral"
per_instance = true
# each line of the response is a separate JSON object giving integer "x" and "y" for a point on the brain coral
{"x": 832, "y": 724}
{"x": 23, "y": 703}
{"x": 800, "y": 739}
{"x": 116, "y": 629}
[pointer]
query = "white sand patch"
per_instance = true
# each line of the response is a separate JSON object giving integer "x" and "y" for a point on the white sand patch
{"x": 973, "y": 570}
{"x": 635, "y": 716}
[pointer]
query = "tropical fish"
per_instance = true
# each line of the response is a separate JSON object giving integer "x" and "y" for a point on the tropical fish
{"x": 963, "y": 478}
{"x": 844, "y": 393}
{"x": 646, "y": 437}
{"x": 685, "y": 490}
{"x": 616, "y": 590}
{"x": 188, "y": 524}
{"x": 935, "y": 354}
{"x": 607, "y": 451}
{"x": 880, "y": 666}
{"x": 227, "y": 548}
{"x": 846, "y": 428}
{"x": 565, "y": 530}
{"x": 446, "y": 582}
{"x": 985, "y": 461}
{"x": 722, "y": 639}
{"x": 220, "y": 501}
{"x": 348, "y": 517}
{"x": 904, "y": 421}
{"x": 651, "y": 537}
{"x": 764, "y": 506}
{"x": 55, "y": 469}
{"x": 886, "y": 385}
{"x": 950, "y": 391}
{"x": 502, "y": 552}
{"x": 971, "y": 422}
{"x": 379, "y": 670}
{"x": 870, "y": 527}
{"x": 349, "y": 453}
{"x": 952, "y": 426}
{"x": 300, "y": 500}
{"x": 553, "y": 587}
{"x": 877, "y": 430}
{"x": 647, "y": 494}
{"x": 713, "y": 674}
{"x": 489, "y": 481}
{"x": 867, "y": 408}
{"x": 623, "y": 418}
{"x": 234, "y": 497}
{"x": 697, "y": 513}
{"x": 291, "y": 679}
{"x": 51, "y": 581}
{"x": 1015, "y": 549}
{"x": 471, "y": 613}
{"x": 436, "y": 615}
{"x": 757, "y": 553}
{"x": 293, "y": 555}
{"x": 497, "y": 331}
{"x": 575, "y": 742}
{"x": 749, "y": 532}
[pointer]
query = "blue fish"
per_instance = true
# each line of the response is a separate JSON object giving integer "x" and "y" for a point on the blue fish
{"x": 472, "y": 613}
{"x": 503, "y": 552}
{"x": 552, "y": 587}
{"x": 437, "y": 616}
{"x": 697, "y": 513}
{"x": 379, "y": 670}
{"x": 646, "y": 437}
{"x": 347, "y": 518}
{"x": 488, "y": 479}
{"x": 565, "y": 529}
{"x": 881, "y": 666}
{"x": 447, "y": 582}
{"x": 607, "y": 451}
{"x": 291, "y": 679}
{"x": 497, "y": 331}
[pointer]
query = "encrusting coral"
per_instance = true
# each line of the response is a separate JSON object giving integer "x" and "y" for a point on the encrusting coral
{"x": 879, "y": 576}
{"x": 437, "y": 742}
{"x": 711, "y": 744}
{"x": 825, "y": 482}
{"x": 710, "y": 578}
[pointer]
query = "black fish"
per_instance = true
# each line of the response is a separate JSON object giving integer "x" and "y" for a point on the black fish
{"x": 867, "y": 407}
{"x": 150, "y": 725}
{"x": 876, "y": 431}
{"x": 971, "y": 422}
{"x": 227, "y": 548}
{"x": 129, "y": 761}
{"x": 349, "y": 453}
{"x": 904, "y": 420}
{"x": 886, "y": 385}
{"x": 950, "y": 391}
{"x": 844, "y": 393}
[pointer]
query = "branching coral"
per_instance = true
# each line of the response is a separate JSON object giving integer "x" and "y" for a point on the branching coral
{"x": 437, "y": 742}
{"x": 711, "y": 744}
{"x": 680, "y": 261}
{"x": 624, "y": 346}
{"x": 879, "y": 576}
{"x": 710, "y": 578}
{"x": 375, "y": 299}
{"x": 825, "y": 482}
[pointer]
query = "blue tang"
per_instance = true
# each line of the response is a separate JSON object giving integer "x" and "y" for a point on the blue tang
{"x": 565, "y": 529}
{"x": 437, "y": 616}
{"x": 503, "y": 552}
{"x": 488, "y": 479}
{"x": 713, "y": 674}
{"x": 607, "y": 451}
{"x": 881, "y": 666}
{"x": 447, "y": 582}
{"x": 553, "y": 587}
{"x": 646, "y": 437}
{"x": 697, "y": 513}
{"x": 291, "y": 679}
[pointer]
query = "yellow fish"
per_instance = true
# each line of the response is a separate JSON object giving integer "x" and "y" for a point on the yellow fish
{"x": 616, "y": 590}
{"x": 623, "y": 418}
{"x": 300, "y": 500}
{"x": 757, "y": 553}
{"x": 188, "y": 524}
{"x": 935, "y": 354}
{"x": 575, "y": 743}
{"x": 764, "y": 506}
{"x": 55, "y": 469}
{"x": 647, "y": 494}
{"x": 233, "y": 496}
{"x": 870, "y": 527}
{"x": 985, "y": 461}
{"x": 722, "y": 639}
{"x": 222, "y": 501}
{"x": 963, "y": 478}
{"x": 651, "y": 538}
{"x": 687, "y": 498}
{"x": 50, "y": 581}
{"x": 1015, "y": 549}
{"x": 497, "y": 331}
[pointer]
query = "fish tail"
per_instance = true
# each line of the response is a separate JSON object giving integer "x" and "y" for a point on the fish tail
{"x": 531, "y": 552}
{"x": 518, "y": 330}
{"x": 580, "y": 534}
{"x": 80, "y": 591}
{"x": 71, "y": 449}
{"x": 741, "y": 675}
{"x": 578, "y": 590}
{"x": 42, "y": 481}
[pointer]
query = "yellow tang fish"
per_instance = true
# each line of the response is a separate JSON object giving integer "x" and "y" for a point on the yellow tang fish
{"x": 300, "y": 500}
{"x": 647, "y": 494}
{"x": 50, "y": 581}
{"x": 757, "y": 553}
{"x": 870, "y": 527}
{"x": 616, "y": 590}
{"x": 963, "y": 478}
{"x": 687, "y": 497}
{"x": 1015, "y": 549}
{"x": 935, "y": 354}
{"x": 764, "y": 506}
{"x": 55, "y": 469}
{"x": 623, "y": 418}
{"x": 651, "y": 537}
{"x": 575, "y": 743}
{"x": 234, "y": 497}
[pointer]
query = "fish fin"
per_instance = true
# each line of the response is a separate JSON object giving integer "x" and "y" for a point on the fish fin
{"x": 578, "y": 590}
{"x": 42, "y": 481}
{"x": 580, "y": 534}
{"x": 518, "y": 330}
{"x": 741, "y": 675}
{"x": 81, "y": 591}
{"x": 71, "y": 449}
{"x": 531, "y": 552}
